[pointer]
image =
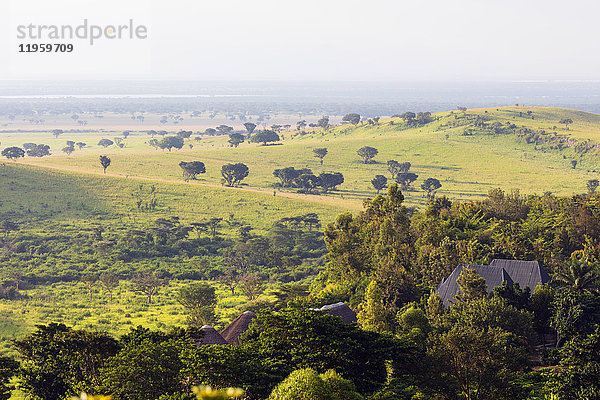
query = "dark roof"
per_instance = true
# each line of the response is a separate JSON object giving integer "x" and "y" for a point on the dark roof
{"x": 525, "y": 273}
{"x": 341, "y": 310}
{"x": 234, "y": 330}
{"x": 211, "y": 336}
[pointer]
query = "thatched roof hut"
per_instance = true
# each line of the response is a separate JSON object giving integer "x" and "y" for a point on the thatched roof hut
{"x": 341, "y": 310}
{"x": 211, "y": 336}
{"x": 234, "y": 330}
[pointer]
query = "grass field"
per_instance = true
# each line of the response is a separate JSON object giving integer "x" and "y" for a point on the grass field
{"x": 66, "y": 195}
{"x": 467, "y": 166}
{"x": 71, "y": 304}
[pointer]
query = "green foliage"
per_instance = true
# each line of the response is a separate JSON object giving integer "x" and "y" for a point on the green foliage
{"x": 472, "y": 286}
{"x": 579, "y": 274}
{"x": 105, "y": 143}
{"x": 352, "y": 118}
{"x": 264, "y": 137}
{"x": 367, "y": 153}
{"x": 307, "y": 384}
{"x": 222, "y": 366}
{"x": 105, "y": 162}
{"x": 61, "y": 361}
{"x": 13, "y": 153}
{"x": 171, "y": 142}
{"x": 145, "y": 370}
{"x": 483, "y": 345}
{"x": 302, "y": 384}
{"x": 235, "y": 139}
{"x": 379, "y": 182}
{"x": 577, "y": 377}
{"x": 191, "y": 169}
{"x": 373, "y": 314}
{"x": 293, "y": 338}
{"x": 39, "y": 150}
{"x": 320, "y": 153}
{"x": 200, "y": 300}
{"x": 430, "y": 185}
{"x": 233, "y": 174}
{"x": 8, "y": 368}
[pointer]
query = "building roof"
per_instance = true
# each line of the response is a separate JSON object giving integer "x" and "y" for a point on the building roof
{"x": 341, "y": 310}
{"x": 525, "y": 273}
{"x": 211, "y": 336}
{"x": 234, "y": 330}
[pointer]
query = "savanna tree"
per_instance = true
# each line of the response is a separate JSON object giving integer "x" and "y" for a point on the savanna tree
{"x": 233, "y": 174}
{"x": 430, "y": 185}
{"x": 320, "y": 153}
{"x": 191, "y": 169}
{"x": 105, "y": 162}
{"x": 367, "y": 153}
{"x": 13, "y": 153}
{"x": 379, "y": 182}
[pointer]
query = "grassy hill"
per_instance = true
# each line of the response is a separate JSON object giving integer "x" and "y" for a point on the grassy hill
{"x": 60, "y": 199}
{"x": 468, "y": 165}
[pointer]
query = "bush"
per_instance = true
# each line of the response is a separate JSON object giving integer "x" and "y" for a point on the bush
{"x": 302, "y": 384}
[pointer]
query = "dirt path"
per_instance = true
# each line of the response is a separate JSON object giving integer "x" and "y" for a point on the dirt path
{"x": 350, "y": 204}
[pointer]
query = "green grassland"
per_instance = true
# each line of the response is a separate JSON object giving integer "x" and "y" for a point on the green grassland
{"x": 40, "y": 195}
{"x": 467, "y": 166}
{"x": 68, "y": 196}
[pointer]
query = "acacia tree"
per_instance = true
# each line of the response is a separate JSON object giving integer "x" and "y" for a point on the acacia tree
{"x": 191, "y": 169}
{"x": 592, "y": 185}
{"x": 233, "y": 174}
{"x": 171, "y": 142}
{"x": 105, "y": 143}
{"x": 235, "y": 139}
{"x": 250, "y": 127}
{"x": 379, "y": 182}
{"x": 430, "y": 185}
{"x": 566, "y": 122}
{"x": 148, "y": 283}
{"x": 323, "y": 122}
{"x": 68, "y": 150}
{"x": 308, "y": 182}
{"x": 265, "y": 136}
{"x": 105, "y": 162}
{"x": 329, "y": 180}
{"x": 200, "y": 300}
{"x": 110, "y": 283}
{"x": 39, "y": 150}
{"x": 367, "y": 153}
{"x": 251, "y": 285}
{"x": 396, "y": 167}
{"x": 301, "y": 125}
{"x": 352, "y": 118}
{"x": 405, "y": 179}
{"x": 224, "y": 129}
{"x": 89, "y": 280}
{"x": 13, "y": 153}
{"x": 288, "y": 175}
{"x": 320, "y": 153}
{"x": 57, "y": 132}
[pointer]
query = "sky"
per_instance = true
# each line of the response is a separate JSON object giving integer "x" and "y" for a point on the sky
{"x": 317, "y": 40}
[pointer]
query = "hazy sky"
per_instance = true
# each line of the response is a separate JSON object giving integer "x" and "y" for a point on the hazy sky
{"x": 314, "y": 40}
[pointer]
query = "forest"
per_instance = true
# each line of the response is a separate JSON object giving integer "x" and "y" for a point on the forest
{"x": 385, "y": 263}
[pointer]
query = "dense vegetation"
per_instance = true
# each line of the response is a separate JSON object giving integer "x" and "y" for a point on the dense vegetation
{"x": 87, "y": 257}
